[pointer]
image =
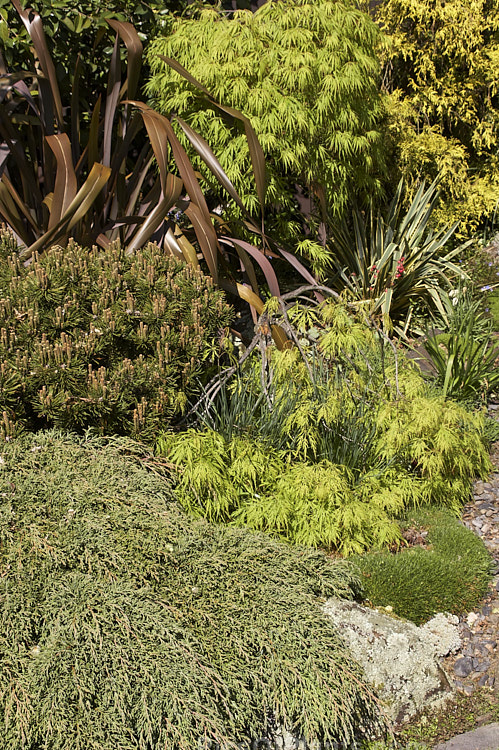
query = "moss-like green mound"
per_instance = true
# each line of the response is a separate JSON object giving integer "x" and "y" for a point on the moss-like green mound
{"x": 449, "y": 574}
{"x": 123, "y": 623}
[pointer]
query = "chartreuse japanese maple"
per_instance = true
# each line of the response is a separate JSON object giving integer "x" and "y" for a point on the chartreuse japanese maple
{"x": 327, "y": 453}
{"x": 305, "y": 73}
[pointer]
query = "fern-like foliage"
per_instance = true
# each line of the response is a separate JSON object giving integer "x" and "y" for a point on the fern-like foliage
{"x": 306, "y": 74}
{"x": 440, "y": 441}
{"x": 327, "y": 447}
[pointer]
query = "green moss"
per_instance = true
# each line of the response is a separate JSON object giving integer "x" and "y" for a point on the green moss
{"x": 450, "y": 575}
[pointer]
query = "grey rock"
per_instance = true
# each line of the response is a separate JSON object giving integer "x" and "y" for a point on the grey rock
{"x": 463, "y": 666}
{"x": 398, "y": 658}
{"x": 483, "y": 738}
{"x": 483, "y": 666}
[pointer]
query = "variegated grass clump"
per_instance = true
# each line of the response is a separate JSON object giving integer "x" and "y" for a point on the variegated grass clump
{"x": 126, "y": 624}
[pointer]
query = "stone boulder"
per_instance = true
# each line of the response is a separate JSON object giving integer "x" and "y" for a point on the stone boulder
{"x": 400, "y": 659}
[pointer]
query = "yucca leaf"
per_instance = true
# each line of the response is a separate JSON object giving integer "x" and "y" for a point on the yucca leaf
{"x": 200, "y": 214}
{"x": 93, "y": 135}
{"x": 206, "y": 237}
{"x": 75, "y": 112}
{"x": 256, "y": 152}
{"x": 17, "y": 201}
{"x": 82, "y": 201}
{"x": 10, "y": 212}
{"x": 304, "y": 272}
{"x": 112, "y": 98}
{"x": 180, "y": 247}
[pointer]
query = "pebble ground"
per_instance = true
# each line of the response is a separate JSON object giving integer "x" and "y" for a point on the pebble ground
{"x": 476, "y": 664}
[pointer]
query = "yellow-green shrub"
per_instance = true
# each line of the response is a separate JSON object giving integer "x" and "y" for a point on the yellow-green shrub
{"x": 441, "y": 66}
{"x": 424, "y": 451}
{"x": 305, "y": 72}
{"x": 439, "y": 441}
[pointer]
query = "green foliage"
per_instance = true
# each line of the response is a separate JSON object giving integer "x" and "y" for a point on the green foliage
{"x": 426, "y": 451}
{"x": 306, "y": 75}
{"x": 311, "y": 419}
{"x": 326, "y": 452}
{"x": 465, "y": 355}
{"x": 245, "y": 483}
{"x": 440, "y": 441}
{"x": 396, "y": 264}
{"x": 75, "y": 26}
{"x": 441, "y": 70}
{"x": 125, "y": 624}
{"x": 104, "y": 339}
{"x": 482, "y": 266}
{"x": 450, "y": 575}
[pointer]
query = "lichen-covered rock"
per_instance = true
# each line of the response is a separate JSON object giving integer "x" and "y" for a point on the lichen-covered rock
{"x": 400, "y": 659}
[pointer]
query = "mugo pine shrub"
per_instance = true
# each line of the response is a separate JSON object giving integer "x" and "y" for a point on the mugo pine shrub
{"x": 125, "y": 624}
{"x": 103, "y": 339}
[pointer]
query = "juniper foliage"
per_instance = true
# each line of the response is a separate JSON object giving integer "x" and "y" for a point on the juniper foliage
{"x": 125, "y": 624}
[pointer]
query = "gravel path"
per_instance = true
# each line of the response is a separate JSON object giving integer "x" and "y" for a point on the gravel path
{"x": 477, "y": 662}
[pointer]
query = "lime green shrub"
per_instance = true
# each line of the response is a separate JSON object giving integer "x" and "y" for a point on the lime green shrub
{"x": 103, "y": 339}
{"x": 126, "y": 624}
{"x": 306, "y": 75}
{"x": 441, "y": 69}
{"x": 246, "y": 483}
{"x": 439, "y": 441}
{"x": 329, "y": 456}
{"x": 450, "y": 574}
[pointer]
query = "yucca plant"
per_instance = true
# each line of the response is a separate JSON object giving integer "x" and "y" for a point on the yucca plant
{"x": 394, "y": 263}
{"x": 465, "y": 354}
